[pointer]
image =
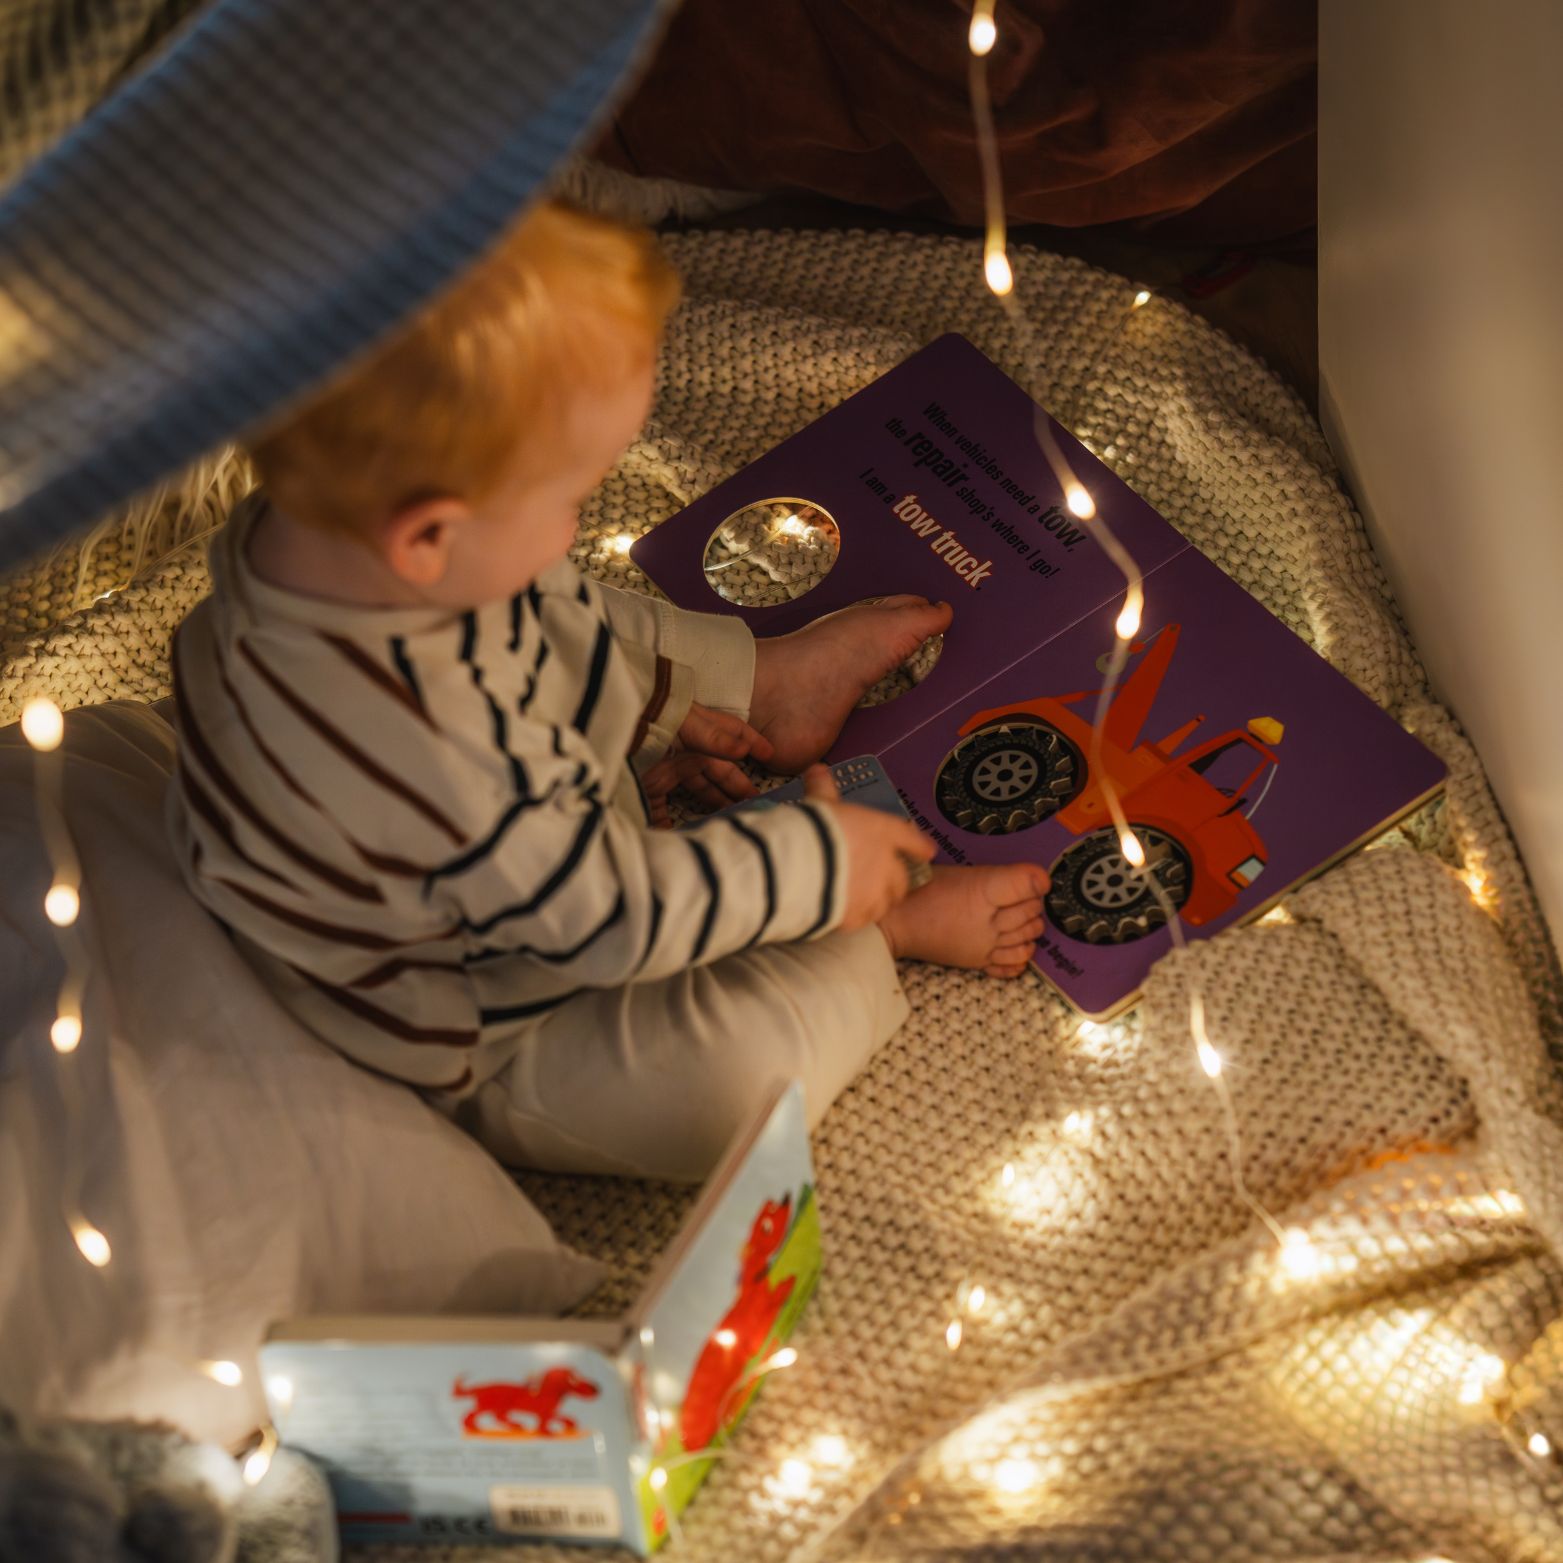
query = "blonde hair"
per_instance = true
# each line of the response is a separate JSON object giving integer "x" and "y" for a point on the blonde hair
{"x": 476, "y": 385}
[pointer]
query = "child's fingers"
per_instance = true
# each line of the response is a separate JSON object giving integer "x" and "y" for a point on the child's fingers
{"x": 734, "y": 784}
{"x": 910, "y": 840}
{"x": 722, "y": 733}
{"x": 819, "y": 786}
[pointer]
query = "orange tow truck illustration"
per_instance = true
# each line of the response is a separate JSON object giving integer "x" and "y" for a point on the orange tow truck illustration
{"x": 1018, "y": 765}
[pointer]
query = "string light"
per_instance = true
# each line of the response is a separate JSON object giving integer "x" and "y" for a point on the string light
{"x": 258, "y": 1461}
{"x": 996, "y": 269}
{"x": 782, "y": 1359}
{"x": 1015, "y": 1476}
{"x": 61, "y": 904}
{"x": 1299, "y": 1258}
{"x": 1485, "y": 1371}
{"x": 93, "y": 1244}
{"x": 1539, "y": 1445}
{"x": 43, "y": 725}
{"x": 229, "y": 1374}
{"x": 621, "y": 542}
{"x": 794, "y": 1478}
{"x": 658, "y": 1478}
{"x": 983, "y": 32}
{"x": 829, "y": 1449}
{"x": 978, "y": 1299}
{"x": 1078, "y": 498}
{"x": 726, "y": 1339}
{"x": 795, "y": 526}
{"x": 65, "y": 1033}
{"x": 279, "y": 1390}
{"x": 1128, "y": 623}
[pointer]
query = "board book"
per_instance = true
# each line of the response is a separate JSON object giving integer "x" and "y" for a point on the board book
{"x": 500, "y": 1429}
{"x": 1244, "y": 762}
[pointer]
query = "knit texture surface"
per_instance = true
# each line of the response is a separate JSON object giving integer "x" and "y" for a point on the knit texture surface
{"x": 1149, "y": 1375}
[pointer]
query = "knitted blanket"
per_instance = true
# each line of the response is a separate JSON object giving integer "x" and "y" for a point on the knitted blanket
{"x": 1142, "y": 1371}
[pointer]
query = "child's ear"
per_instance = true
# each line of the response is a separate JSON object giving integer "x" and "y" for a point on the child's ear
{"x": 417, "y": 541}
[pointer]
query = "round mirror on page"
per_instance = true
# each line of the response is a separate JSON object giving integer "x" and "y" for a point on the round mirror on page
{"x": 771, "y": 552}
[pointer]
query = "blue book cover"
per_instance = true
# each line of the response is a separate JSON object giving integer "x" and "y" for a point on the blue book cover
{"x": 502, "y": 1429}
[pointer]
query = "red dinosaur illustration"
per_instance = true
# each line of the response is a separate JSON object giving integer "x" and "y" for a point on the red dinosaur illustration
{"x": 538, "y": 1397}
{"x": 742, "y": 1332}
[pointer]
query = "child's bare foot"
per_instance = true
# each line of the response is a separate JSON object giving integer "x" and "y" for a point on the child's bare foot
{"x": 806, "y": 683}
{"x": 985, "y": 919}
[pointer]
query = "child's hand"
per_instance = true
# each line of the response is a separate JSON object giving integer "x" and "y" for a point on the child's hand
{"x": 708, "y": 782}
{"x": 878, "y": 847}
{"x": 722, "y": 734}
{"x": 701, "y": 767}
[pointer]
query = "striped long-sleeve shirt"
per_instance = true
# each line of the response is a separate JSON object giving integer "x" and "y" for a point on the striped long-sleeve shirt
{"x": 425, "y": 828}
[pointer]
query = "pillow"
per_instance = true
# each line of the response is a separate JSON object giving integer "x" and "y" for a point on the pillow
{"x": 240, "y": 1169}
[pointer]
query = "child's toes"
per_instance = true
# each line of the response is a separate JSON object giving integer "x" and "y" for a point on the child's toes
{"x": 1005, "y": 969}
{"x": 1011, "y": 922}
{"x": 1020, "y": 884}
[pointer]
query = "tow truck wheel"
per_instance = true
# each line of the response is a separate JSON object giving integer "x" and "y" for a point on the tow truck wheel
{"x": 1099, "y": 898}
{"x": 1008, "y": 775}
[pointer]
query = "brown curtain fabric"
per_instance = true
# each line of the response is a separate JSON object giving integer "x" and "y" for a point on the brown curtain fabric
{"x": 1195, "y": 117}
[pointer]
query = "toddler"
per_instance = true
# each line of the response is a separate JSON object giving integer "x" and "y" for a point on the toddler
{"x": 420, "y": 756}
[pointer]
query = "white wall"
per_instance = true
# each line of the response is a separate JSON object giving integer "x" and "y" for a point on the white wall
{"x": 1441, "y": 357}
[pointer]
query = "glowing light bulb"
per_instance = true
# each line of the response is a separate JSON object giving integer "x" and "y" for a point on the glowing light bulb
{"x": 793, "y": 1478}
{"x": 1007, "y": 1176}
{"x": 226, "y": 1373}
{"x": 1130, "y": 846}
{"x": 1485, "y": 1370}
{"x": 783, "y": 1359}
{"x": 795, "y": 526}
{"x": 829, "y": 1449}
{"x": 279, "y": 1388}
{"x": 621, "y": 542}
{"x": 647, "y": 1336}
{"x": 1142, "y": 298}
{"x": 1079, "y": 501}
{"x": 978, "y": 1299}
{"x": 1539, "y": 1445}
{"x": 1015, "y": 1476}
{"x": 658, "y": 1478}
{"x": 982, "y": 34}
{"x": 1299, "y": 1257}
{"x": 952, "y": 1334}
{"x": 996, "y": 268}
{"x": 61, "y": 904}
{"x": 93, "y": 1244}
{"x": 1077, "y": 1125}
{"x": 1128, "y": 622}
{"x": 258, "y": 1461}
{"x": 43, "y": 726}
{"x": 65, "y": 1033}
{"x": 1209, "y": 1060}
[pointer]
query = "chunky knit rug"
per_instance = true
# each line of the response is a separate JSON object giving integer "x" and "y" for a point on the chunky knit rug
{"x": 1142, "y": 1372}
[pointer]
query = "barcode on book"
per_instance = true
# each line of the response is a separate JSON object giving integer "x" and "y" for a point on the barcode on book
{"x": 555, "y": 1511}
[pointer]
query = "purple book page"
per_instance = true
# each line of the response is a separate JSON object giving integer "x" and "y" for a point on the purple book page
{"x": 983, "y": 525}
{"x": 1244, "y": 761}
